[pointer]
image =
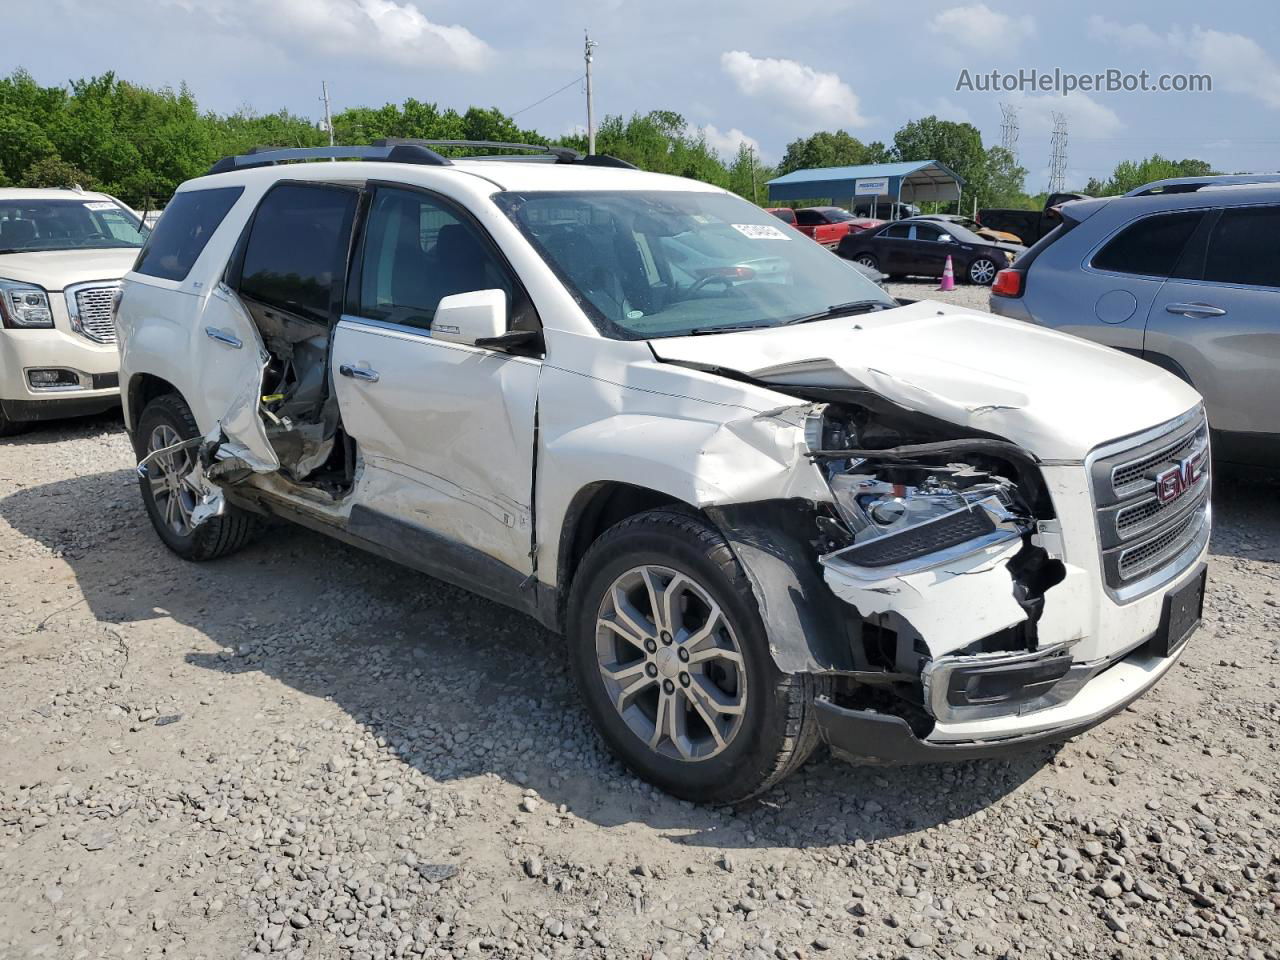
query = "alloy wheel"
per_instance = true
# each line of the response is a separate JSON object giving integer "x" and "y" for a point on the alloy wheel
{"x": 671, "y": 663}
{"x": 982, "y": 271}
{"x": 174, "y": 498}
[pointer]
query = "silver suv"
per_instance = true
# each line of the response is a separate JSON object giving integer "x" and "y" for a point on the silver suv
{"x": 1185, "y": 274}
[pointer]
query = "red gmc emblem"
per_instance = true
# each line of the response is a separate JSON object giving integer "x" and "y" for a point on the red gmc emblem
{"x": 1178, "y": 479}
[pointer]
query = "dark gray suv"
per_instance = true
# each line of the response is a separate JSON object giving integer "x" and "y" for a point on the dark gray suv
{"x": 1184, "y": 273}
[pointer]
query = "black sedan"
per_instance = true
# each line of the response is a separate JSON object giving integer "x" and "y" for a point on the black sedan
{"x": 920, "y": 247}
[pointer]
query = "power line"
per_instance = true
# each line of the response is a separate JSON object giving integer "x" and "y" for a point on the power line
{"x": 535, "y": 103}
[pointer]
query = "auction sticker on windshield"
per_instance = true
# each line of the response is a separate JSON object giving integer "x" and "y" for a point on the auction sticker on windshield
{"x": 760, "y": 231}
{"x": 99, "y": 205}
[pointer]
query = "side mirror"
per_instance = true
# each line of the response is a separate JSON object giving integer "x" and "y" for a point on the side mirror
{"x": 469, "y": 317}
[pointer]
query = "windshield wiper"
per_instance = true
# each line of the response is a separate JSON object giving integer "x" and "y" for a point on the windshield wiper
{"x": 737, "y": 328}
{"x": 841, "y": 310}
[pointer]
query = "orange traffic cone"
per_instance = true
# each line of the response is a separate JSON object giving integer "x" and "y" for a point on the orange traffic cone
{"x": 948, "y": 276}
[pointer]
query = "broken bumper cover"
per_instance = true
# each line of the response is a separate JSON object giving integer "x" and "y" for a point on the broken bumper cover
{"x": 865, "y": 735}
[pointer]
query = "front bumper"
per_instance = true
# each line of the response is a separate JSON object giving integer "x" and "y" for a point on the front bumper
{"x": 862, "y": 736}
{"x": 94, "y": 368}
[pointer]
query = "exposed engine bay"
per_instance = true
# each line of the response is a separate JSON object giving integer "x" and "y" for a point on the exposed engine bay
{"x": 936, "y": 541}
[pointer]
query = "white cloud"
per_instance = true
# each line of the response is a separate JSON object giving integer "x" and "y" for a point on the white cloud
{"x": 369, "y": 29}
{"x": 1126, "y": 34}
{"x": 1237, "y": 64}
{"x": 727, "y": 142}
{"x": 980, "y": 28}
{"x": 809, "y": 95}
{"x": 1085, "y": 116}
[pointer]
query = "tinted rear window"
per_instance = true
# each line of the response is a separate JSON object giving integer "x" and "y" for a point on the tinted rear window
{"x": 1151, "y": 247}
{"x": 185, "y": 227}
{"x": 297, "y": 248}
{"x": 1243, "y": 247}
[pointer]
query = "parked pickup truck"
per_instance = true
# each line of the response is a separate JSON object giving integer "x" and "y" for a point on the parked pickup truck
{"x": 1028, "y": 225}
{"x": 827, "y": 225}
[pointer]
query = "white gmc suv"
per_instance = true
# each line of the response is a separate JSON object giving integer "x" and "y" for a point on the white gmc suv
{"x": 62, "y": 254}
{"x": 766, "y": 505}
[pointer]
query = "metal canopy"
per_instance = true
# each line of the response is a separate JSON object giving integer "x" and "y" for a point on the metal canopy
{"x": 911, "y": 182}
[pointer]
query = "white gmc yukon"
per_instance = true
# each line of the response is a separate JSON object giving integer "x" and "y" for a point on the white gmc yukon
{"x": 62, "y": 254}
{"x": 766, "y": 505}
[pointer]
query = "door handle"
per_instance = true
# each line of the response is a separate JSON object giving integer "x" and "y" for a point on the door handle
{"x": 230, "y": 339}
{"x": 1195, "y": 310}
{"x": 358, "y": 373}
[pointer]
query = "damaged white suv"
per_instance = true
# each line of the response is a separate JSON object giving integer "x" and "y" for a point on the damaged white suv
{"x": 766, "y": 505}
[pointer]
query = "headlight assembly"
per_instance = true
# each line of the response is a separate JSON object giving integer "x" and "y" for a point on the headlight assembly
{"x": 24, "y": 305}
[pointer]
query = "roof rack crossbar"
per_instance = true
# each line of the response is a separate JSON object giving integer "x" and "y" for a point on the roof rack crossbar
{"x": 390, "y": 153}
{"x": 1192, "y": 184}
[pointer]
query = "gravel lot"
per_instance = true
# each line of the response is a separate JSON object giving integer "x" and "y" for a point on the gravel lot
{"x": 308, "y": 751}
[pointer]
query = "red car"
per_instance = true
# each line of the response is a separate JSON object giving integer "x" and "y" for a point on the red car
{"x": 827, "y": 225}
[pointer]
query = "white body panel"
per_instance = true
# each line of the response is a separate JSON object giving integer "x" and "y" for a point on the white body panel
{"x": 455, "y": 459}
{"x": 447, "y": 440}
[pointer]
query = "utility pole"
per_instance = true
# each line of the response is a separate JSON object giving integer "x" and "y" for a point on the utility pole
{"x": 755, "y": 192}
{"x": 1058, "y": 161}
{"x": 1009, "y": 129}
{"x": 328, "y": 118}
{"x": 591, "y": 110}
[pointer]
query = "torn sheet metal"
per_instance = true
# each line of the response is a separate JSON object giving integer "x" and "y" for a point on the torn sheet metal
{"x": 951, "y": 605}
{"x": 971, "y": 369}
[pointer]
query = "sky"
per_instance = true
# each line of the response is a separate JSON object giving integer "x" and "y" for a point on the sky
{"x": 739, "y": 70}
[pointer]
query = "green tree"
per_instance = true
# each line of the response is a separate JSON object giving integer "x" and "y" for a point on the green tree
{"x": 1129, "y": 174}
{"x": 830, "y": 149}
{"x": 956, "y": 145}
{"x": 1006, "y": 180}
{"x": 55, "y": 172}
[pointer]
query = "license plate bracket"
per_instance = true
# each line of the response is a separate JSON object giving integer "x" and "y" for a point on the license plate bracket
{"x": 1183, "y": 609}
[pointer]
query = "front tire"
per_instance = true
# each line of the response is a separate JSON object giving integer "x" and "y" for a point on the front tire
{"x": 867, "y": 260}
{"x": 672, "y": 659}
{"x": 167, "y": 420}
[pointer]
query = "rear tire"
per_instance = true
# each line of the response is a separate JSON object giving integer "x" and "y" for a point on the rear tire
{"x": 982, "y": 271}
{"x": 166, "y": 420}
{"x": 699, "y": 709}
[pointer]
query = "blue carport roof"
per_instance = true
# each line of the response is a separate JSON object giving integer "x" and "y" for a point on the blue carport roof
{"x": 919, "y": 180}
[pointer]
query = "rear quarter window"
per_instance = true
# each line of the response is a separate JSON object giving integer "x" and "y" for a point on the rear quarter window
{"x": 1150, "y": 247}
{"x": 1243, "y": 247}
{"x": 184, "y": 229}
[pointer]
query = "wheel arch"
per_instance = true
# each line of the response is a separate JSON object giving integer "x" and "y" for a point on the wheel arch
{"x": 141, "y": 389}
{"x": 593, "y": 510}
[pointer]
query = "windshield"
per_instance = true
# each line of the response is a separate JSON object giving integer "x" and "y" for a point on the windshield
{"x": 839, "y": 216}
{"x": 30, "y": 225}
{"x": 669, "y": 263}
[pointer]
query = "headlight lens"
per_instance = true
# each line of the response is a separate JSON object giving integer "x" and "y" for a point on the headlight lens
{"x": 24, "y": 305}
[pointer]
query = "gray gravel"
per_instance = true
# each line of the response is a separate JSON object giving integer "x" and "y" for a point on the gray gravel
{"x": 306, "y": 751}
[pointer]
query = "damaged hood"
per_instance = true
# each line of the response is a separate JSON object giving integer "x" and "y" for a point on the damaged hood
{"x": 1054, "y": 394}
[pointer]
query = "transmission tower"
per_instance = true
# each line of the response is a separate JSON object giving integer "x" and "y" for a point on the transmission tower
{"x": 1058, "y": 160}
{"x": 1009, "y": 128}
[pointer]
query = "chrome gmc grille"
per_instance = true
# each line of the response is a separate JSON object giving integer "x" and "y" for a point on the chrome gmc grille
{"x": 1152, "y": 498}
{"x": 90, "y": 309}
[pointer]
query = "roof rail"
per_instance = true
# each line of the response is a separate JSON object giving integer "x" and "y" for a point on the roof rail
{"x": 387, "y": 152}
{"x": 1192, "y": 184}
{"x": 561, "y": 154}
